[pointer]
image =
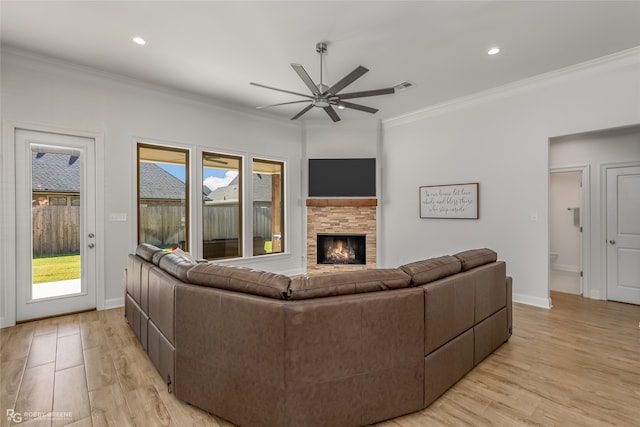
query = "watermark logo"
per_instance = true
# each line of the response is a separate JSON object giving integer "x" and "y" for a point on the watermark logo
{"x": 18, "y": 417}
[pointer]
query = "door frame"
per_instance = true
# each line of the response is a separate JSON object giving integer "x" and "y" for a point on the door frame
{"x": 7, "y": 213}
{"x": 585, "y": 213}
{"x": 604, "y": 168}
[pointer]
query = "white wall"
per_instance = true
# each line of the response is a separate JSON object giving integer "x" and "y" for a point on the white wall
{"x": 51, "y": 94}
{"x": 499, "y": 139}
{"x": 593, "y": 150}
{"x": 345, "y": 139}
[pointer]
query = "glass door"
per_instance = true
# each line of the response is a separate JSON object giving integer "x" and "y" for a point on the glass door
{"x": 56, "y": 224}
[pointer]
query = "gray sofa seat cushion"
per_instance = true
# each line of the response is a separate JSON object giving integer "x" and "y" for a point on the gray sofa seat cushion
{"x": 353, "y": 282}
{"x": 429, "y": 270}
{"x": 476, "y": 257}
{"x": 240, "y": 279}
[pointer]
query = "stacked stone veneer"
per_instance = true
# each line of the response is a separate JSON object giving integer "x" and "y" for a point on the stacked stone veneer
{"x": 340, "y": 220}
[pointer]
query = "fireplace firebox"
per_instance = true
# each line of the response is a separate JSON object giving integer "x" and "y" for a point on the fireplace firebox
{"x": 342, "y": 249}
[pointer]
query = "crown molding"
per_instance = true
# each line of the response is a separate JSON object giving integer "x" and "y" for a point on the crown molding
{"x": 626, "y": 56}
{"x": 54, "y": 63}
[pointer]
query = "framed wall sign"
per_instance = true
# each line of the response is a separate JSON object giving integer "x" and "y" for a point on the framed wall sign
{"x": 449, "y": 201}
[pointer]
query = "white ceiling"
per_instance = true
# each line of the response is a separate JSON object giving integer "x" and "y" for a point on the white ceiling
{"x": 215, "y": 48}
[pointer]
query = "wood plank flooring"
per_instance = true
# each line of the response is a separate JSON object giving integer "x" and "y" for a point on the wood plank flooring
{"x": 576, "y": 364}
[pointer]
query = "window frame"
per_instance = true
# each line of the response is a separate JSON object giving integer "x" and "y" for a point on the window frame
{"x": 240, "y": 159}
{"x": 187, "y": 192}
{"x": 283, "y": 204}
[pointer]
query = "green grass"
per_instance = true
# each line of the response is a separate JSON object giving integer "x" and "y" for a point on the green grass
{"x": 55, "y": 269}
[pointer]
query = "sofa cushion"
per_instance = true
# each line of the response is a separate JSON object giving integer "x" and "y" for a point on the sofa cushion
{"x": 476, "y": 257}
{"x": 240, "y": 279}
{"x": 157, "y": 256}
{"x": 353, "y": 282}
{"x": 176, "y": 265}
{"x": 146, "y": 251}
{"x": 431, "y": 269}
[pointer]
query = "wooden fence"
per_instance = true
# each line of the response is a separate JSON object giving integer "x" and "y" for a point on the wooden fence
{"x": 163, "y": 225}
{"x": 56, "y": 229}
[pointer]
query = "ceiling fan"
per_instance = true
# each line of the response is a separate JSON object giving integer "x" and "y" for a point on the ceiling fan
{"x": 326, "y": 97}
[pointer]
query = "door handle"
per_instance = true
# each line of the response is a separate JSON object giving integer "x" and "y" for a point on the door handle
{"x": 613, "y": 242}
{"x": 91, "y": 235}
{"x": 91, "y": 245}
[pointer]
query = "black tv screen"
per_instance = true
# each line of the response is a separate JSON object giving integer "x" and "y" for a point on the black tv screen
{"x": 342, "y": 177}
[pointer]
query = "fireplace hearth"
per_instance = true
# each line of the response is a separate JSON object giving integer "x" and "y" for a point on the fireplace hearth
{"x": 342, "y": 249}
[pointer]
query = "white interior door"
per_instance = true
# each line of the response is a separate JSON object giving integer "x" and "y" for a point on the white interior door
{"x": 55, "y": 224}
{"x": 565, "y": 230}
{"x": 623, "y": 234}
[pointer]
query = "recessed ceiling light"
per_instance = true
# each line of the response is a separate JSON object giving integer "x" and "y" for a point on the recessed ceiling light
{"x": 139, "y": 40}
{"x": 493, "y": 51}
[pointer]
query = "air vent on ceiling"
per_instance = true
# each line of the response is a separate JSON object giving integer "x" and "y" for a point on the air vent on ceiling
{"x": 404, "y": 85}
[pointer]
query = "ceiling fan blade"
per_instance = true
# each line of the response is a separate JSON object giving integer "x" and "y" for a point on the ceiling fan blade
{"x": 358, "y": 107}
{"x": 283, "y": 103}
{"x": 346, "y": 80}
{"x": 304, "y": 110}
{"x": 366, "y": 93}
{"x": 281, "y": 90}
{"x": 305, "y": 78}
{"x": 332, "y": 113}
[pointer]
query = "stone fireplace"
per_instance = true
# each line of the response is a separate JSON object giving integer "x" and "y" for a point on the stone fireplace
{"x": 348, "y": 226}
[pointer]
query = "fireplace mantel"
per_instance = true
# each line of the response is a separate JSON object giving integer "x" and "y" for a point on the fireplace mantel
{"x": 342, "y": 202}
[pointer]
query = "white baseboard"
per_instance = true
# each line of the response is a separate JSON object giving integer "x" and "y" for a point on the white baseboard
{"x": 113, "y": 303}
{"x": 6, "y": 323}
{"x": 595, "y": 294}
{"x": 566, "y": 267}
{"x": 294, "y": 272}
{"x": 534, "y": 301}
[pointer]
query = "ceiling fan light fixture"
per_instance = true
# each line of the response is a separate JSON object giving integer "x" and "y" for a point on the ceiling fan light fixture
{"x": 321, "y": 102}
{"x": 340, "y": 107}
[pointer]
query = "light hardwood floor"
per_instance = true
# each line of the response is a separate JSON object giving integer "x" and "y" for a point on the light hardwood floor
{"x": 576, "y": 364}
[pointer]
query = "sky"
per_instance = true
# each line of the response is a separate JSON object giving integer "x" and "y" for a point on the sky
{"x": 212, "y": 178}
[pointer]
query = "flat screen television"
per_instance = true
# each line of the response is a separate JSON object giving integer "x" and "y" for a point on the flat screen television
{"x": 342, "y": 177}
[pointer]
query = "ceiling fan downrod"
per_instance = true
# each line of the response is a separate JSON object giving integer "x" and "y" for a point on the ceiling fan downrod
{"x": 321, "y": 48}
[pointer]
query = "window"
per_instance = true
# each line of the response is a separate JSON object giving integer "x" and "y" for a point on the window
{"x": 57, "y": 201}
{"x": 268, "y": 206}
{"x": 163, "y": 196}
{"x": 221, "y": 206}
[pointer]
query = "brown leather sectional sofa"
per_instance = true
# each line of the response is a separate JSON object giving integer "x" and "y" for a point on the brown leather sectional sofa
{"x": 345, "y": 349}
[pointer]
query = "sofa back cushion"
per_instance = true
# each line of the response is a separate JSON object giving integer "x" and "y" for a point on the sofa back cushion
{"x": 146, "y": 251}
{"x": 476, "y": 257}
{"x": 432, "y": 269}
{"x": 353, "y": 282}
{"x": 157, "y": 256}
{"x": 240, "y": 279}
{"x": 176, "y": 265}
